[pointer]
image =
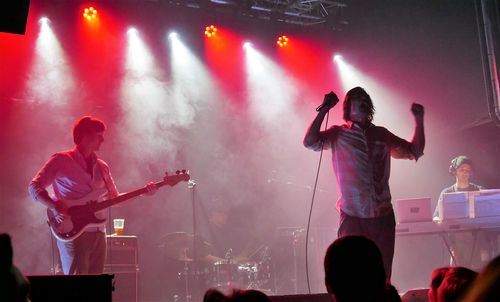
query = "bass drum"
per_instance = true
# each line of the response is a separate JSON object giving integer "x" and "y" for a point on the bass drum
{"x": 223, "y": 276}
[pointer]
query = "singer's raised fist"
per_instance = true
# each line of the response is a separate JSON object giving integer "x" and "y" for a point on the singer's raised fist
{"x": 417, "y": 110}
{"x": 332, "y": 97}
{"x": 329, "y": 102}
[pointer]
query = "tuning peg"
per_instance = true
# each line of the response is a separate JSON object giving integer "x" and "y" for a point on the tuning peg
{"x": 177, "y": 172}
{"x": 184, "y": 171}
{"x": 166, "y": 173}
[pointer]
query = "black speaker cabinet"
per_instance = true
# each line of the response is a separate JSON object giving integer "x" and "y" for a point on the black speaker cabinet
{"x": 302, "y": 298}
{"x": 14, "y": 15}
{"x": 122, "y": 261}
{"x": 72, "y": 288}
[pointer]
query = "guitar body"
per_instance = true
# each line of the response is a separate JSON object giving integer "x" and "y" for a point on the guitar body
{"x": 88, "y": 211}
{"x": 81, "y": 215}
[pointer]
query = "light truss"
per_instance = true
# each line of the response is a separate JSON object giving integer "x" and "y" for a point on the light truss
{"x": 299, "y": 12}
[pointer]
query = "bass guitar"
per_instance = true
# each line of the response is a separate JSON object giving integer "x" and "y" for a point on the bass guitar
{"x": 84, "y": 212}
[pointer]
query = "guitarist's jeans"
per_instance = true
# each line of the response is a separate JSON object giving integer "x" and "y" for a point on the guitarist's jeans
{"x": 84, "y": 255}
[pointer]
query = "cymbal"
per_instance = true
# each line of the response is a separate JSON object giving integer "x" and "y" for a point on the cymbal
{"x": 179, "y": 246}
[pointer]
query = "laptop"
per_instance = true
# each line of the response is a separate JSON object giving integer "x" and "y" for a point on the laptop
{"x": 413, "y": 210}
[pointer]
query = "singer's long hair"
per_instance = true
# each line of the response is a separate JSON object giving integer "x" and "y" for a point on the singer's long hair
{"x": 357, "y": 92}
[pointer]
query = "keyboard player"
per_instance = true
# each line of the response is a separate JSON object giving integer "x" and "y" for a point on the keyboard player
{"x": 470, "y": 249}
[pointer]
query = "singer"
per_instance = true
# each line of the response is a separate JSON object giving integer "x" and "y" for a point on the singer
{"x": 361, "y": 155}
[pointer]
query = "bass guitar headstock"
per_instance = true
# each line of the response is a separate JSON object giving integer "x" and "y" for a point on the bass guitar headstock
{"x": 180, "y": 175}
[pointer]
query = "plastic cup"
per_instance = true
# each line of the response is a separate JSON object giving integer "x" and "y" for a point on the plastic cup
{"x": 119, "y": 225}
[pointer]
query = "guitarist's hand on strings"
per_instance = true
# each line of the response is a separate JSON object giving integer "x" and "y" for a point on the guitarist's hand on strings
{"x": 60, "y": 211}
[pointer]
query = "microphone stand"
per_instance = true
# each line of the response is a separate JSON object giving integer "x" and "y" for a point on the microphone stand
{"x": 191, "y": 185}
{"x": 186, "y": 276}
{"x": 295, "y": 244}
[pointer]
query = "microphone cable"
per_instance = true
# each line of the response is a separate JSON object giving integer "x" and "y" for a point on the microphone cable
{"x": 311, "y": 208}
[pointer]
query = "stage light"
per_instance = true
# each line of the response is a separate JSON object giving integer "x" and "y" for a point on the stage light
{"x": 90, "y": 13}
{"x": 173, "y": 36}
{"x": 51, "y": 76}
{"x": 337, "y": 58}
{"x": 44, "y": 20}
{"x": 210, "y": 31}
{"x": 247, "y": 45}
{"x": 270, "y": 88}
{"x": 282, "y": 41}
{"x": 139, "y": 59}
{"x": 132, "y": 31}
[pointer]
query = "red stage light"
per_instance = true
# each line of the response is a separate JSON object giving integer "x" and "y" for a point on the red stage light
{"x": 282, "y": 41}
{"x": 90, "y": 13}
{"x": 210, "y": 31}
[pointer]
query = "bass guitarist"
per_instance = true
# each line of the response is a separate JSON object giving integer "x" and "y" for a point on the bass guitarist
{"x": 73, "y": 175}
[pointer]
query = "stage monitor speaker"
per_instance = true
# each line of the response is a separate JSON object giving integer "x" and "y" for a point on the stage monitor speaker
{"x": 122, "y": 260}
{"x": 71, "y": 288}
{"x": 13, "y": 16}
{"x": 122, "y": 252}
{"x": 302, "y": 298}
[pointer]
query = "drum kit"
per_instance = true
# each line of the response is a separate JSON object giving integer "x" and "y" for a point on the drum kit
{"x": 224, "y": 274}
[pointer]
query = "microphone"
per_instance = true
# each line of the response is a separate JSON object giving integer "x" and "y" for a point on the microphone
{"x": 330, "y": 101}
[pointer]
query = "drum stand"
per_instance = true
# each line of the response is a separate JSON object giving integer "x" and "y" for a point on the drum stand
{"x": 191, "y": 185}
{"x": 186, "y": 281}
{"x": 295, "y": 243}
{"x": 186, "y": 260}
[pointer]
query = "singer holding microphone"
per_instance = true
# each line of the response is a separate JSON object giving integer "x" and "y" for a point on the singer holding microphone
{"x": 361, "y": 155}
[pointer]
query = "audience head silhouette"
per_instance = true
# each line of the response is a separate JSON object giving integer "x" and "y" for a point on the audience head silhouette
{"x": 456, "y": 282}
{"x": 354, "y": 271}
{"x": 437, "y": 278}
{"x": 486, "y": 287}
{"x": 14, "y": 287}
{"x": 251, "y": 295}
{"x": 6, "y": 253}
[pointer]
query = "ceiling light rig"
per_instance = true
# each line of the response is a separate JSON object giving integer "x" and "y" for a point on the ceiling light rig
{"x": 282, "y": 41}
{"x": 328, "y": 14}
{"x": 210, "y": 31}
{"x": 90, "y": 13}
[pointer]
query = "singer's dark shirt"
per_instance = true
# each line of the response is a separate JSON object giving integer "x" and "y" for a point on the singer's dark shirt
{"x": 362, "y": 162}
